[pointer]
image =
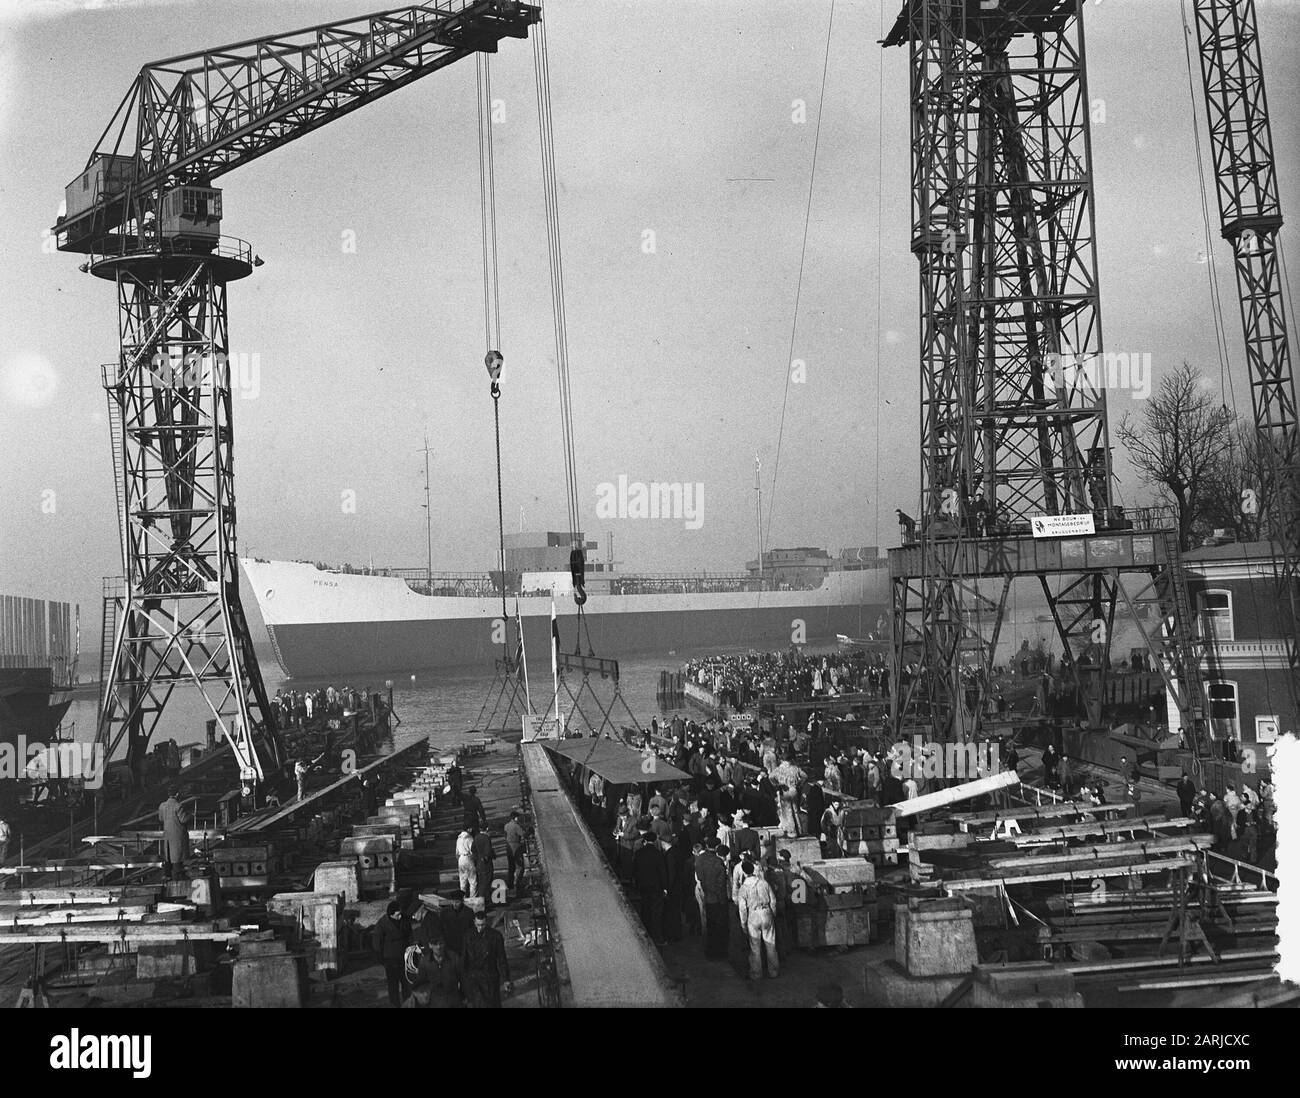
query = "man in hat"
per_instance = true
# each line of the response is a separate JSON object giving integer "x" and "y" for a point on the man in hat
{"x": 439, "y": 976}
{"x": 515, "y": 839}
{"x": 484, "y": 862}
{"x": 711, "y": 874}
{"x": 390, "y": 944}
{"x": 486, "y": 967}
{"x": 661, "y": 828}
{"x": 176, "y": 836}
{"x": 650, "y": 875}
{"x": 757, "y": 908}
{"x": 455, "y": 920}
{"x": 831, "y": 774}
{"x": 475, "y": 816}
{"x": 744, "y": 839}
{"x": 1186, "y": 790}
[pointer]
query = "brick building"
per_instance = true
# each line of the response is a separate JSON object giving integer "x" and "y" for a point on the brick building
{"x": 1235, "y": 592}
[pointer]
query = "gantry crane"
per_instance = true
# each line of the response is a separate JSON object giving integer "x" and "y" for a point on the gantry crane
{"x": 1250, "y": 213}
{"x": 1016, "y": 478}
{"x": 146, "y": 215}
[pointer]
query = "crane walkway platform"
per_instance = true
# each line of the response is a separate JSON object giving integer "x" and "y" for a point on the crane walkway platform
{"x": 610, "y": 961}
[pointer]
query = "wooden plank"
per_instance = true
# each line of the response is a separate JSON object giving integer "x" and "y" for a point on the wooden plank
{"x": 1040, "y": 812}
{"x": 292, "y": 809}
{"x": 1104, "y": 851}
{"x": 59, "y": 865}
{"x": 75, "y": 917}
{"x": 1098, "y": 827}
{"x": 138, "y": 933}
{"x": 45, "y": 897}
{"x": 1077, "y": 874}
{"x": 955, "y": 794}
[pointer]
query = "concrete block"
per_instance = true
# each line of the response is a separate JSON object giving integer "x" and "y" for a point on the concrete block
{"x": 1033, "y": 984}
{"x": 341, "y": 876}
{"x": 262, "y": 947}
{"x": 848, "y": 927}
{"x": 934, "y": 938}
{"x": 355, "y": 845}
{"x": 886, "y": 984}
{"x": 268, "y": 981}
{"x": 171, "y": 960}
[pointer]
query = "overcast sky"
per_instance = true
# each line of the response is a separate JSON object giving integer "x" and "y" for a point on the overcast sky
{"x": 670, "y": 116}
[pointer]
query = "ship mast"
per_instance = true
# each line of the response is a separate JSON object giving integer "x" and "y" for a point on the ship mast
{"x": 428, "y": 518}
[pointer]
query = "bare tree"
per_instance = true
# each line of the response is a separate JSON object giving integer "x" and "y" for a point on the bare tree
{"x": 1233, "y": 486}
{"x": 1178, "y": 443}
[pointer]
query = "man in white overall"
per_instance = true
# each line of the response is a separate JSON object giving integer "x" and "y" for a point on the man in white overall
{"x": 757, "y": 908}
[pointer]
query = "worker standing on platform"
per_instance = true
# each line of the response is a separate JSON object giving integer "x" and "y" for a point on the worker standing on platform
{"x": 711, "y": 875}
{"x": 757, "y": 907}
{"x": 485, "y": 965}
{"x": 438, "y": 977}
{"x": 456, "y": 921}
{"x": 300, "y": 773}
{"x": 465, "y": 864}
{"x": 474, "y": 814}
{"x": 4, "y": 840}
{"x": 515, "y": 837}
{"x": 650, "y": 875}
{"x": 484, "y": 862}
{"x": 176, "y": 836}
{"x": 390, "y": 944}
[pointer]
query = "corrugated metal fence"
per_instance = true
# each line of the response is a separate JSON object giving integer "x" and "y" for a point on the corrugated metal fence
{"x": 37, "y": 633}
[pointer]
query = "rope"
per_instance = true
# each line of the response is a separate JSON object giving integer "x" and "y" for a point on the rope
{"x": 555, "y": 256}
{"x": 880, "y": 230}
{"x": 803, "y": 253}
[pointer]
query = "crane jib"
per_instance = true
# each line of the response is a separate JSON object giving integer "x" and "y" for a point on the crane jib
{"x": 195, "y": 117}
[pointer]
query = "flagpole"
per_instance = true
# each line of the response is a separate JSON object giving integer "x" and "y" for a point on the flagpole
{"x": 523, "y": 657}
{"x": 555, "y": 667}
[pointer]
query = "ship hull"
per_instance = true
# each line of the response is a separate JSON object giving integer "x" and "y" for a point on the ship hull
{"x": 324, "y": 624}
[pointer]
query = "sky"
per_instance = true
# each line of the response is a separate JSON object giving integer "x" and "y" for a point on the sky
{"x": 671, "y": 118}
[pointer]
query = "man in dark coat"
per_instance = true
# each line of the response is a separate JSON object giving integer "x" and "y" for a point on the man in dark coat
{"x": 712, "y": 877}
{"x": 475, "y": 816}
{"x": 484, "y": 858}
{"x": 650, "y": 875}
{"x": 456, "y": 921}
{"x": 744, "y": 839}
{"x": 439, "y": 977}
{"x": 814, "y": 806}
{"x": 1186, "y": 789}
{"x": 176, "y": 836}
{"x": 390, "y": 944}
{"x": 486, "y": 967}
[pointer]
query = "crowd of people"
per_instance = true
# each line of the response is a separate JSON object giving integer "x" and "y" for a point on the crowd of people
{"x": 694, "y": 854}
{"x": 452, "y": 956}
{"x": 737, "y": 679}
{"x": 298, "y": 708}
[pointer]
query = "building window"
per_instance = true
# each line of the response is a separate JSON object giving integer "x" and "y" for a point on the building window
{"x": 1225, "y": 721}
{"x": 1216, "y": 614}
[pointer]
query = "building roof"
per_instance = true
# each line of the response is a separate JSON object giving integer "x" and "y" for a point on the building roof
{"x": 1263, "y": 551}
{"x": 617, "y": 764}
